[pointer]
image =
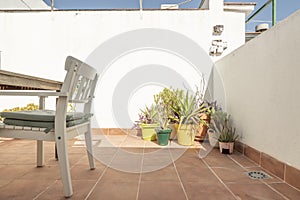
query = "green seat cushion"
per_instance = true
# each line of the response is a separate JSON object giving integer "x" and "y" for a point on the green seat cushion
{"x": 42, "y": 115}
{"x": 41, "y": 124}
{"x": 42, "y": 118}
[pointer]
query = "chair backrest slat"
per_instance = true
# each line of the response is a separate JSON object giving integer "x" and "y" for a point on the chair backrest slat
{"x": 73, "y": 89}
{"x": 80, "y": 81}
{"x": 81, "y": 88}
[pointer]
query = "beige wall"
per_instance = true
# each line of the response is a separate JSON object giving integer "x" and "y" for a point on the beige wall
{"x": 262, "y": 90}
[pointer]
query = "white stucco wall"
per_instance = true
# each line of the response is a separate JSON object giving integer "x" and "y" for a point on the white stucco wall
{"x": 262, "y": 90}
{"x": 37, "y": 43}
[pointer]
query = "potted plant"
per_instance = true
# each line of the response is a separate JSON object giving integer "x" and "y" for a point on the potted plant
{"x": 188, "y": 112}
{"x": 216, "y": 124}
{"x": 204, "y": 121}
{"x": 204, "y": 113}
{"x": 163, "y": 131}
{"x": 168, "y": 98}
{"x": 148, "y": 123}
{"x": 227, "y": 137}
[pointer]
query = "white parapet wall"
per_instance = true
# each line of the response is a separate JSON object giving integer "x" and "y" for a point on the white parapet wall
{"x": 37, "y": 43}
{"x": 262, "y": 90}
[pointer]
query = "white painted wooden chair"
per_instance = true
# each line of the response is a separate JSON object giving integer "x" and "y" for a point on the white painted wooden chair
{"x": 78, "y": 87}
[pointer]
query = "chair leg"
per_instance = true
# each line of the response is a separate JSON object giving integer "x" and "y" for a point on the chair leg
{"x": 40, "y": 144}
{"x": 40, "y": 153}
{"x": 89, "y": 148}
{"x": 55, "y": 152}
{"x": 62, "y": 151}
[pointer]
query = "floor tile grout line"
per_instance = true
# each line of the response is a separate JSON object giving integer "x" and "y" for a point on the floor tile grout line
{"x": 268, "y": 172}
{"x": 47, "y": 188}
{"x": 247, "y": 169}
{"x": 238, "y": 162}
{"x": 275, "y": 182}
{"x": 258, "y": 165}
{"x": 9, "y": 182}
{"x": 93, "y": 188}
{"x": 140, "y": 178}
{"x": 282, "y": 195}
{"x": 249, "y": 159}
{"x": 182, "y": 186}
{"x": 283, "y": 181}
{"x": 229, "y": 190}
{"x": 98, "y": 180}
{"x": 104, "y": 171}
{"x": 292, "y": 186}
{"x": 119, "y": 143}
{"x": 262, "y": 181}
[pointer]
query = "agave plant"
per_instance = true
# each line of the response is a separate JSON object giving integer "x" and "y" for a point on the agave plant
{"x": 218, "y": 117}
{"x": 228, "y": 132}
{"x": 187, "y": 109}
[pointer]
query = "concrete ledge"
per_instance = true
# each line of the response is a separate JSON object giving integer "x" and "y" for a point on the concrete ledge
{"x": 117, "y": 131}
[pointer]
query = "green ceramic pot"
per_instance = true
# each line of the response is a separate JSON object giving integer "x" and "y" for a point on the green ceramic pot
{"x": 163, "y": 136}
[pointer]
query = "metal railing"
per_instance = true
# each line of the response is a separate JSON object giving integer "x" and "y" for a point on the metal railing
{"x": 274, "y": 5}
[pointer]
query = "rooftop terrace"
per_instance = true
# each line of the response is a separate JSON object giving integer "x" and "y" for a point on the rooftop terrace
{"x": 216, "y": 176}
{"x": 261, "y": 92}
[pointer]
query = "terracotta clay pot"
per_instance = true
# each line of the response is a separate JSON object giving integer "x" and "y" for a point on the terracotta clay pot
{"x": 202, "y": 130}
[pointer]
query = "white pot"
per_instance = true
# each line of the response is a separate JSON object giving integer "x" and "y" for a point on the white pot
{"x": 213, "y": 138}
{"x": 226, "y": 146}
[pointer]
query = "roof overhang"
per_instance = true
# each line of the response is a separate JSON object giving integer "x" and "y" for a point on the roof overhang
{"x": 243, "y": 7}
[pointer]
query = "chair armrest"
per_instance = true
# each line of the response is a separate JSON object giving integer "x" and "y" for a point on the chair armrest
{"x": 40, "y": 93}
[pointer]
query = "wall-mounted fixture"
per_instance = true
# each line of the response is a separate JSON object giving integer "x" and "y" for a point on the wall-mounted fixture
{"x": 173, "y": 6}
{"x": 217, "y": 47}
{"x": 261, "y": 27}
{"x": 218, "y": 29}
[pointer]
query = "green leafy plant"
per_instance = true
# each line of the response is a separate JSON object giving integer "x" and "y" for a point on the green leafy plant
{"x": 30, "y": 106}
{"x": 168, "y": 98}
{"x": 162, "y": 114}
{"x": 148, "y": 115}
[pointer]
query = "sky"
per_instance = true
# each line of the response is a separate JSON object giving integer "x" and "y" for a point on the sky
{"x": 284, "y": 7}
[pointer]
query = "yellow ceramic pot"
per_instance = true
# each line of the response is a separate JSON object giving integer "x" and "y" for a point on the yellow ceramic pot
{"x": 186, "y": 135}
{"x": 148, "y": 131}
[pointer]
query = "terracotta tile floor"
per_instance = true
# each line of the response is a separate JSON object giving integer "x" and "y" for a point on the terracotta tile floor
{"x": 130, "y": 168}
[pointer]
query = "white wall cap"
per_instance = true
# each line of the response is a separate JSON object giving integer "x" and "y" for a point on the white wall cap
{"x": 23, "y": 5}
